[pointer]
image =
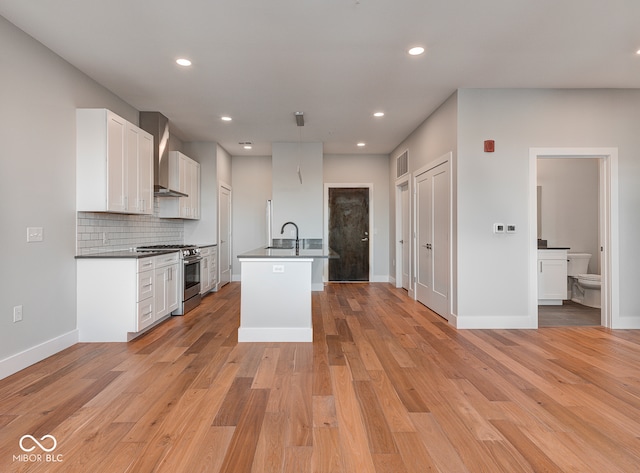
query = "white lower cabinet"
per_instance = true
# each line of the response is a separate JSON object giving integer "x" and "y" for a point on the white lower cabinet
{"x": 552, "y": 277}
{"x": 166, "y": 285}
{"x": 209, "y": 269}
{"x": 213, "y": 268}
{"x": 118, "y": 298}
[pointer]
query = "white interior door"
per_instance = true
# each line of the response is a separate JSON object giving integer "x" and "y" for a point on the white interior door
{"x": 225, "y": 235}
{"x": 405, "y": 239}
{"x": 433, "y": 218}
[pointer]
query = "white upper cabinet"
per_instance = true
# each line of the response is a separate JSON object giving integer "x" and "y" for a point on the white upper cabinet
{"x": 114, "y": 164}
{"x": 184, "y": 176}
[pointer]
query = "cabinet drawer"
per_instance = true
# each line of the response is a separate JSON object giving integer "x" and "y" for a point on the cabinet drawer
{"x": 166, "y": 260}
{"x": 145, "y": 264}
{"x": 205, "y": 252}
{"x": 145, "y": 314}
{"x": 145, "y": 285}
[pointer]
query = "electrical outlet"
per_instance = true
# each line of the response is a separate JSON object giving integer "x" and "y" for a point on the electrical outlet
{"x": 34, "y": 234}
{"x": 17, "y": 313}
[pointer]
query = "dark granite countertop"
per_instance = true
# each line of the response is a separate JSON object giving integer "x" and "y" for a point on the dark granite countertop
{"x": 126, "y": 254}
{"x": 290, "y": 253}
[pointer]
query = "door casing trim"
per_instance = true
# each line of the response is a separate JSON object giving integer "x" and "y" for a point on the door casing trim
{"x": 400, "y": 183}
{"x": 609, "y": 229}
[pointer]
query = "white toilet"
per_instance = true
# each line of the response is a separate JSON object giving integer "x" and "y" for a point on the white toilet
{"x": 584, "y": 288}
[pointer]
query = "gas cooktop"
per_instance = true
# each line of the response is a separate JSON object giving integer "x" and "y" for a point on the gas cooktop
{"x": 165, "y": 247}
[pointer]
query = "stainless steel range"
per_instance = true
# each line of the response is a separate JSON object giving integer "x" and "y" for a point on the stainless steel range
{"x": 189, "y": 276}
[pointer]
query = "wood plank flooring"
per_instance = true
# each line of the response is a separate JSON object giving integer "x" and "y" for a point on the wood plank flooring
{"x": 386, "y": 387}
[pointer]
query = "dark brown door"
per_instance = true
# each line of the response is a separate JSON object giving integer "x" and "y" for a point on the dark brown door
{"x": 349, "y": 233}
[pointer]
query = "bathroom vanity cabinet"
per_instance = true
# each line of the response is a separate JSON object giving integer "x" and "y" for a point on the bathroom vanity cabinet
{"x": 552, "y": 276}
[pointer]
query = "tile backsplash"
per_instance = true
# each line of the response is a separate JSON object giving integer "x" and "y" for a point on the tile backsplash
{"x": 98, "y": 231}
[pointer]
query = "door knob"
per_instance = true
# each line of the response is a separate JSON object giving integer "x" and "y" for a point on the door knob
{"x": 365, "y": 239}
{"x": 402, "y": 242}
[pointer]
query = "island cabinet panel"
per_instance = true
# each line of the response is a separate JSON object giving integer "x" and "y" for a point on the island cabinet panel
{"x": 275, "y": 301}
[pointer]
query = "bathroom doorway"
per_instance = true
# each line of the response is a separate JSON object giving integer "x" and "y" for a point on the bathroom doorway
{"x": 569, "y": 216}
{"x": 607, "y": 210}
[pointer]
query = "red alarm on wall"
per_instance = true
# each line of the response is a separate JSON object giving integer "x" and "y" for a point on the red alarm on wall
{"x": 489, "y": 146}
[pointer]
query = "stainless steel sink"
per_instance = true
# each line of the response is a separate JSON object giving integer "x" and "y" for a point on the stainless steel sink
{"x": 288, "y": 244}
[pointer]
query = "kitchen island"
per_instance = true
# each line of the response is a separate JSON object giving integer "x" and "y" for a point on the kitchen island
{"x": 275, "y": 300}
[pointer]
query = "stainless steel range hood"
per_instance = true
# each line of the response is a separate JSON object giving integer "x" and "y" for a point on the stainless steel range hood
{"x": 158, "y": 125}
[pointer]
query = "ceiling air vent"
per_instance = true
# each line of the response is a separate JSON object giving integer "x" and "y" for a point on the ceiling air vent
{"x": 402, "y": 164}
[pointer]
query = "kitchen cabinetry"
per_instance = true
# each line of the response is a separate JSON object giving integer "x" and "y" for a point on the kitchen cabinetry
{"x": 552, "y": 277}
{"x": 114, "y": 164}
{"x": 184, "y": 176}
{"x": 120, "y": 297}
{"x": 166, "y": 285}
{"x": 209, "y": 269}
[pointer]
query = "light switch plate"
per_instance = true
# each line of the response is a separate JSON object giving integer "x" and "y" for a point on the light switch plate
{"x": 17, "y": 313}
{"x": 498, "y": 228}
{"x": 511, "y": 228}
{"x": 34, "y": 234}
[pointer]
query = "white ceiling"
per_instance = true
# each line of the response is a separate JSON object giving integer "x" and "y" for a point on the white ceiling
{"x": 338, "y": 61}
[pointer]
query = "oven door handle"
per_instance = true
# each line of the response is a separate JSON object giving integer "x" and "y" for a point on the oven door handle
{"x": 192, "y": 260}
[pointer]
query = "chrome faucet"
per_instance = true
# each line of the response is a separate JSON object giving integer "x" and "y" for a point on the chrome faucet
{"x": 297, "y": 239}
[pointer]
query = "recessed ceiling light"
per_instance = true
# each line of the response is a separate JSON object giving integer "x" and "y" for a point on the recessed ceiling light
{"x": 378, "y": 114}
{"x": 416, "y": 51}
{"x": 638, "y": 52}
{"x": 226, "y": 118}
{"x": 361, "y": 144}
{"x": 183, "y": 62}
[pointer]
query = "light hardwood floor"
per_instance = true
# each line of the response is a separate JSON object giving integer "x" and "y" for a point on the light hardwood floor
{"x": 386, "y": 386}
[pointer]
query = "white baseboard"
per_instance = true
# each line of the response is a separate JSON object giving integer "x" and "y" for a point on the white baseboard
{"x": 492, "y": 322}
{"x": 235, "y": 278}
{"x": 33, "y": 355}
{"x": 380, "y": 279}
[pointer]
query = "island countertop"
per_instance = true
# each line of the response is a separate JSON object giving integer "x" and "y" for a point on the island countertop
{"x": 275, "y": 253}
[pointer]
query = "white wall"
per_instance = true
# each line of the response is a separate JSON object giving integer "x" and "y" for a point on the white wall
{"x": 251, "y": 190}
{"x": 367, "y": 169}
{"x": 294, "y": 201}
{"x": 570, "y": 205}
{"x": 434, "y": 138}
{"x": 223, "y": 162}
{"x": 39, "y": 94}
{"x": 493, "y": 269}
{"x": 205, "y": 230}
